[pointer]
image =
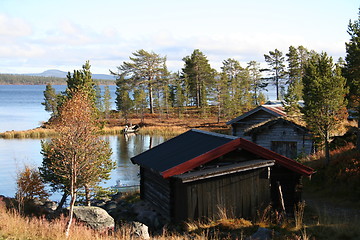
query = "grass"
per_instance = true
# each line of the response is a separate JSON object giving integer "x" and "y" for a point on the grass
{"x": 36, "y": 133}
{"x": 15, "y": 226}
{"x": 338, "y": 181}
{"x": 152, "y": 125}
{"x": 333, "y": 194}
{"x": 323, "y": 226}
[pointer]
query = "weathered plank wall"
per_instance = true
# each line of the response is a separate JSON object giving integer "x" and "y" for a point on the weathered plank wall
{"x": 240, "y": 194}
{"x": 256, "y": 118}
{"x": 285, "y": 133}
{"x": 156, "y": 190}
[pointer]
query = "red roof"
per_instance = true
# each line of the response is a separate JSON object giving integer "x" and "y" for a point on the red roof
{"x": 276, "y": 108}
{"x": 182, "y": 154}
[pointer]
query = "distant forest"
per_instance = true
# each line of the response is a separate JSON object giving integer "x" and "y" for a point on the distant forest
{"x": 19, "y": 79}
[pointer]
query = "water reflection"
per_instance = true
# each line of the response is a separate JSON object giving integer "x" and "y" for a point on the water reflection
{"x": 27, "y": 151}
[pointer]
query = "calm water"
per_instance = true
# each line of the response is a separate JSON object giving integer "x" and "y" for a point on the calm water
{"x": 21, "y": 109}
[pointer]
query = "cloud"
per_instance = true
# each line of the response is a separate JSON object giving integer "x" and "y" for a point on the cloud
{"x": 13, "y": 27}
{"x": 67, "y": 45}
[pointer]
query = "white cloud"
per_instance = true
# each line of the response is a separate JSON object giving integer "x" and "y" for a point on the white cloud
{"x": 13, "y": 27}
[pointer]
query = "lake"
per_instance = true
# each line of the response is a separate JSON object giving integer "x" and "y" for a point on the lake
{"x": 21, "y": 109}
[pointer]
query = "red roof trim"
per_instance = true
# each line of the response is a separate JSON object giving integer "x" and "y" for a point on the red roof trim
{"x": 231, "y": 146}
{"x": 202, "y": 159}
{"x": 280, "y": 159}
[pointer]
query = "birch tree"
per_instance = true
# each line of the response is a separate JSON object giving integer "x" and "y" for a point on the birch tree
{"x": 78, "y": 157}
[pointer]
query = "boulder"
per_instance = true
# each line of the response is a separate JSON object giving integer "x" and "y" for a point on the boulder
{"x": 261, "y": 234}
{"x": 150, "y": 218}
{"x": 111, "y": 205}
{"x": 95, "y": 217}
{"x": 139, "y": 230}
{"x": 51, "y": 205}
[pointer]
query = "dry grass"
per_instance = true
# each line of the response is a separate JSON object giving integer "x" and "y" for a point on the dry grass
{"x": 15, "y": 226}
{"x": 155, "y": 124}
{"x": 36, "y": 133}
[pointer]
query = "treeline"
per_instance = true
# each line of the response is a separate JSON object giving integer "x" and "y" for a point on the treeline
{"x": 145, "y": 85}
{"x": 20, "y": 79}
{"x": 329, "y": 90}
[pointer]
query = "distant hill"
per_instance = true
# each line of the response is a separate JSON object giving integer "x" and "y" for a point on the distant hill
{"x": 61, "y": 74}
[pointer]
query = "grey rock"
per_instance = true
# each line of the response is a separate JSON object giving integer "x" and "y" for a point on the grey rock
{"x": 111, "y": 205}
{"x": 98, "y": 203}
{"x": 261, "y": 234}
{"x": 95, "y": 217}
{"x": 149, "y": 218}
{"x": 139, "y": 230}
{"x": 50, "y": 205}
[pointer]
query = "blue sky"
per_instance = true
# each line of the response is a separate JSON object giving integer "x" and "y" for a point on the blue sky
{"x": 38, "y": 35}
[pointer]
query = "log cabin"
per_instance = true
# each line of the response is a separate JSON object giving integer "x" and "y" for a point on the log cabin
{"x": 198, "y": 174}
{"x": 266, "y": 126}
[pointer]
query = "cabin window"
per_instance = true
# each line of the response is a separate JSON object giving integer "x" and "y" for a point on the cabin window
{"x": 288, "y": 149}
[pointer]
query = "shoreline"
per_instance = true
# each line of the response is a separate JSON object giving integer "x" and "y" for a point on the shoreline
{"x": 171, "y": 127}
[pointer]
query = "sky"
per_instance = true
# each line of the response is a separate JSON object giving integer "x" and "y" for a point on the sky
{"x": 38, "y": 35}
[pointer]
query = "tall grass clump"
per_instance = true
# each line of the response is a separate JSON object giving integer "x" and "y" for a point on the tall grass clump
{"x": 299, "y": 215}
{"x": 163, "y": 131}
{"x": 36, "y": 133}
{"x": 111, "y": 130}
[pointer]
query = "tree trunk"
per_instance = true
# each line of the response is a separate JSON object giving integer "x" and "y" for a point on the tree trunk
{"x": 358, "y": 136}
{"x": 71, "y": 213}
{"x": 327, "y": 149}
{"x": 62, "y": 201}
{"x": 87, "y": 195}
{"x": 277, "y": 87}
{"x": 151, "y": 99}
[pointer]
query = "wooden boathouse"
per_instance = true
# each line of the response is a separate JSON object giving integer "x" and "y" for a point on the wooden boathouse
{"x": 198, "y": 173}
{"x": 266, "y": 126}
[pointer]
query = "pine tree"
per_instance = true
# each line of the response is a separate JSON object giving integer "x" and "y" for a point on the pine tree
{"x": 81, "y": 80}
{"x": 352, "y": 71}
{"x": 124, "y": 103}
{"x": 257, "y": 83}
{"x": 98, "y": 97}
{"x": 276, "y": 61}
{"x": 236, "y": 88}
{"x": 106, "y": 102}
{"x": 296, "y": 57}
{"x": 51, "y": 100}
{"x": 140, "y": 102}
{"x": 324, "y": 97}
{"x": 144, "y": 69}
{"x": 199, "y": 75}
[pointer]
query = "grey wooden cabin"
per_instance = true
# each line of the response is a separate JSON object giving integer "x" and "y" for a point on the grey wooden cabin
{"x": 266, "y": 126}
{"x": 197, "y": 173}
{"x": 257, "y": 115}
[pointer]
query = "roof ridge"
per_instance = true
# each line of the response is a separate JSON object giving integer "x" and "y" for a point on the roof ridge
{"x": 215, "y": 134}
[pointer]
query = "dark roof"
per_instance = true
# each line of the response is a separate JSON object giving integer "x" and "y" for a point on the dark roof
{"x": 180, "y": 149}
{"x": 266, "y": 124}
{"x": 275, "y": 110}
{"x": 194, "y": 148}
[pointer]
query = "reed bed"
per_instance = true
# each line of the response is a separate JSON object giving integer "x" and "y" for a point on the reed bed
{"x": 39, "y": 133}
{"x": 163, "y": 131}
{"x": 111, "y": 130}
{"x": 36, "y": 133}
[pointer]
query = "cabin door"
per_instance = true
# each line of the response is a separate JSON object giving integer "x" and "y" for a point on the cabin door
{"x": 287, "y": 149}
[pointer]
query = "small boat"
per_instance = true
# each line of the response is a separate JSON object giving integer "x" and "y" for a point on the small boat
{"x": 131, "y": 129}
{"x": 125, "y": 188}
